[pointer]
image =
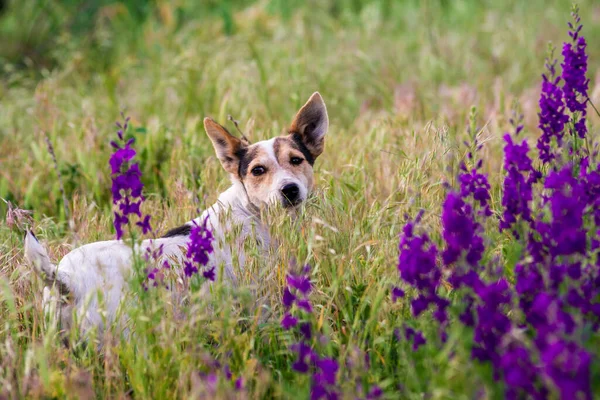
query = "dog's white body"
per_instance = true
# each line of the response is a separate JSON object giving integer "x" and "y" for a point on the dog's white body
{"x": 263, "y": 174}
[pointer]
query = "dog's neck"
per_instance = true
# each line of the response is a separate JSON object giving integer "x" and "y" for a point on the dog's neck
{"x": 236, "y": 200}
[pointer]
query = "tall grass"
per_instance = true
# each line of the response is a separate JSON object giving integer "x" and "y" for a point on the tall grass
{"x": 399, "y": 80}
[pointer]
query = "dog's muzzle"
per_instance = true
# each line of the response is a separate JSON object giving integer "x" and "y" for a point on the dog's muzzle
{"x": 290, "y": 194}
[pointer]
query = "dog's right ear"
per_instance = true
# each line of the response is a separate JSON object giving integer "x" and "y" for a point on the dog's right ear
{"x": 230, "y": 150}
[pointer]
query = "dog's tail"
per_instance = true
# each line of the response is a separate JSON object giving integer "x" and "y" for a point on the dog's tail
{"x": 38, "y": 257}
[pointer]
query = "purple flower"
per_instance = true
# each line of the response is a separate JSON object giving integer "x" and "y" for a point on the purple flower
{"x": 475, "y": 184}
{"x": 520, "y": 373}
{"x": 288, "y": 298}
{"x": 568, "y": 366}
{"x": 303, "y": 352}
{"x": 126, "y": 186}
{"x": 517, "y": 193}
{"x": 305, "y": 330}
{"x": 574, "y": 68}
{"x": 564, "y": 234}
{"x": 460, "y": 232}
{"x": 417, "y": 264}
{"x": 121, "y": 156}
{"x": 492, "y": 323}
{"x": 397, "y": 293}
{"x": 199, "y": 247}
{"x": 416, "y": 336}
{"x": 145, "y": 224}
{"x": 300, "y": 282}
{"x": 374, "y": 393}
{"x": 288, "y": 321}
{"x": 305, "y": 305}
{"x": 552, "y": 117}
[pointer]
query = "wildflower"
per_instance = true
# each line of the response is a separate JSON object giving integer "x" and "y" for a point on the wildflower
{"x": 199, "y": 247}
{"x": 417, "y": 264}
{"x": 415, "y": 336}
{"x": 568, "y": 366}
{"x": 552, "y": 116}
{"x": 474, "y": 183}
{"x": 397, "y": 293}
{"x": 288, "y": 321}
{"x": 574, "y": 68}
{"x": 323, "y": 370}
{"x": 492, "y": 323}
{"x": 565, "y": 233}
{"x": 374, "y": 393}
{"x": 517, "y": 193}
{"x": 126, "y": 185}
{"x": 520, "y": 373}
{"x": 460, "y": 232}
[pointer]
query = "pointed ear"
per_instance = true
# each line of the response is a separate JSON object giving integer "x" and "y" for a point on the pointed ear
{"x": 230, "y": 150}
{"x": 310, "y": 125}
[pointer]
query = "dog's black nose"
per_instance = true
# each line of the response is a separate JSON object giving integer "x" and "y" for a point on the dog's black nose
{"x": 290, "y": 193}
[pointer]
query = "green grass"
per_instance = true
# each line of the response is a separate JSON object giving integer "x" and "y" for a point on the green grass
{"x": 399, "y": 79}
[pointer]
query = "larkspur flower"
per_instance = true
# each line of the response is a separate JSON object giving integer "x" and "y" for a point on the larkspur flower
{"x": 552, "y": 116}
{"x": 126, "y": 185}
{"x": 199, "y": 248}
{"x": 475, "y": 184}
{"x": 568, "y": 366}
{"x": 323, "y": 370}
{"x": 414, "y": 336}
{"x": 518, "y": 181}
{"x": 417, "y": 264}
{"x": 520, "y": 373}
{"x": 565, "y": 233}
{"x": 461, "y": 233}
{"x": 491, "y": 323}
{"x": 574, "y": 69}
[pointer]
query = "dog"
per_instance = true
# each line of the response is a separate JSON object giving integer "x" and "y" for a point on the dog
{"x": 276, "y": 172}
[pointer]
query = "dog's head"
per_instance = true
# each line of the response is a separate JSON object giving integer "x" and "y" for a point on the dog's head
{"x": 279, "y": 170}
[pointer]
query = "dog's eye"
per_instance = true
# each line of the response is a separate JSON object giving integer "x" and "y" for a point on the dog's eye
{"x": 296, "y": 160}
{"x": 257, "y": 171}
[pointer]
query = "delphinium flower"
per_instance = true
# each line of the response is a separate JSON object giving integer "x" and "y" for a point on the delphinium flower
{"x": 574, "y": 68}
{"x": 517, "y": 191}
{"x": 474, "y": 184}
{"x": 126, "y": 183}
{"x": 568, "y": 366}
{"x": 557, "y": 286}
{"x": 199, "y": 248}
{"x": 564, "y": 234}
{"x": 323, "y": 369}
{"x": 157, "y": 266}
{"x": 491, "y": 322}
{"x": 417, "y": 264}
{"x": 552, "y": 116}
{"x": 213, "y": 372}
{"x": 520, "y": 373}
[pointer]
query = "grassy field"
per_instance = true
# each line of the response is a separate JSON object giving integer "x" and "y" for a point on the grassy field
{"x": 400, "y": 79}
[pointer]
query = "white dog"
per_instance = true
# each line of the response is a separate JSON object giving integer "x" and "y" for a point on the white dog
{"x": 278, "y": 171}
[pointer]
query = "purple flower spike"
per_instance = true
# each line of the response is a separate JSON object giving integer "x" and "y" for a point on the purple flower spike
{"x": 397, "y": 293}
{"x": 288, "y": 298}
{"x": 574, "y": 69}
{"x": 416, "y": 336}
{"x": 126, "y": 186}
{"x": 288, "y": 321}
{"x": 199, "y": 248}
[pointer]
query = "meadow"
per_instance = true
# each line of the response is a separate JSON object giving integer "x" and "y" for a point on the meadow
{"x": 417, "y": 92}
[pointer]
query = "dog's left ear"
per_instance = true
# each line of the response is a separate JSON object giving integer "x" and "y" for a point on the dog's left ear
{"x": 310, "y": 125}
{"x": 230, "y": 150}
